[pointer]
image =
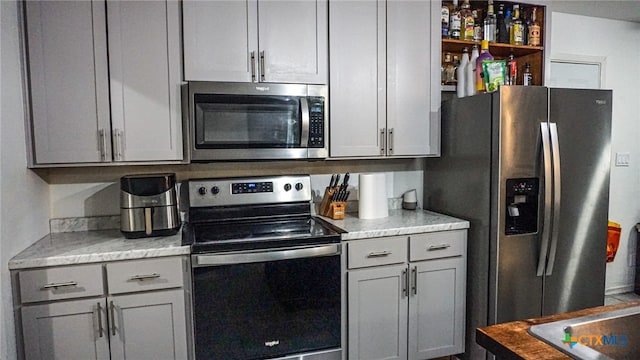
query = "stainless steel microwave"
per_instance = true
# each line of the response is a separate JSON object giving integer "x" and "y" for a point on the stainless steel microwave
{"x": 249, "y": 121}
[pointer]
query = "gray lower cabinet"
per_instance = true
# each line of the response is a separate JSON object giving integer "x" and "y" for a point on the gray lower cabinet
{"x": 141, "y": 316}
{"x": 406, "y": 296}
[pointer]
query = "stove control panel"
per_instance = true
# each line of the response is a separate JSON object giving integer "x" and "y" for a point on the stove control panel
{"x": 247, "y": 191}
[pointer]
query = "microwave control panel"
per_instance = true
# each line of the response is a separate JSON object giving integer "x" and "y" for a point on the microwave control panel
{"x": 316, "y": 122}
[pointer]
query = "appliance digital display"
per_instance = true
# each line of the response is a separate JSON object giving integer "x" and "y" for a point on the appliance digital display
{"x": 251, "y": 187}
{"x": 316, "y": 109}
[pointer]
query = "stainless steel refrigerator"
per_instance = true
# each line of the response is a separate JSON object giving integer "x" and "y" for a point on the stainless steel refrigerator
{"x": 529, "y": 168}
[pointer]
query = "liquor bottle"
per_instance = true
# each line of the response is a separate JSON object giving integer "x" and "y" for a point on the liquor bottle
{"x": 534, "y": 30}
{"x": 507, "y": 23}
{"x": 466, "y": 31}
{"x": 490, "y": 24}
{"x": 477, "y": 25}
{"x": 449, "y": 70}
{"x": 502, "y": 35}
{"x": 512, "y": 71}
{"x": 461, "y": 87}
{"x": 470, "y": 72}
{"x": 445, "y": 21}
{"x": 484, "y": 55}
{"x": 516, "y": 32}
{"x": 455, "y": 21}
{"x": 527, "y": 77}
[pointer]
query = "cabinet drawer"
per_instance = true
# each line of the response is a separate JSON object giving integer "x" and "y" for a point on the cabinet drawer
{"x": 437, "y": 245}
{"x": 142, "y": 275}
{"x": 57, "y": 283}
{"x": 384, "y": 251}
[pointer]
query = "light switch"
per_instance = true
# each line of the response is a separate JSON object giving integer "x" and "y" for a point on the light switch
{"x": 622, "y": 159}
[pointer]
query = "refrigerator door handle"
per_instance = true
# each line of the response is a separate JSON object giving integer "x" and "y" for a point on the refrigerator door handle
{"x": 555, "y": 227}
{"x": 546, "y": 225}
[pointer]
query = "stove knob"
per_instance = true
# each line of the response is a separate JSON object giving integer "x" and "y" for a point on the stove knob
{"x": 299, "y": 186}
{"x": 215, "y": 190}
{"x": 202, "y": 190}
{"x": 287, "y": 187}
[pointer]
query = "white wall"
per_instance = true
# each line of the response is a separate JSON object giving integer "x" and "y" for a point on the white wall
{"x": 24, "y": 197}
{"x": 618, "y": 42}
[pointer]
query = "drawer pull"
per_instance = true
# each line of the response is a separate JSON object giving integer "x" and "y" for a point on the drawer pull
{"x": 57, "y": 285}
{"x": 438, "y": 247}
{"x": 144, "y": 277}
{"x": 379, "y": 254}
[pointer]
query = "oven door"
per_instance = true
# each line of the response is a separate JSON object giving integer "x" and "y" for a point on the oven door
{"x": 265, "y": 304}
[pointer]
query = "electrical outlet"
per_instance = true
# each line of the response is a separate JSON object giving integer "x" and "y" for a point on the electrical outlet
{"x": 622, "y": 159}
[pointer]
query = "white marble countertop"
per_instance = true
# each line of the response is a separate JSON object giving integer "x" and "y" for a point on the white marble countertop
{"x": 67, "y": 248}
{"x": 94, "y": 246}
{"x": 399, "y": 222}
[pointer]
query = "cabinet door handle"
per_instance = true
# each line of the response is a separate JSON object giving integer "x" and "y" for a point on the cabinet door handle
{"x": 382, "y": 140}
{"x": 438, "y": 247}
{"x": 262, "y": 66}
{"x": 405, "y": 280}
{"x": 102, "y": 144}
{"x": 57, "y": 285}
{"x": 100, "y": 329}
{"x": 390, "y": 141}
{"x": 112, "y": 309}
{"x": 253, "y": 66}
{"x": 379, "y": 254}
{"x": 414, "y": 285}
{"x": 144, "y": 277}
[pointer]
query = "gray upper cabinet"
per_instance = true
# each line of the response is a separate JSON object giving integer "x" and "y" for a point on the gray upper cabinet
{"x": 90, "y": 107}
{"x": 256, "y": 41}
{"x": 384, "y": 60}
{"x": 67, "y": 48}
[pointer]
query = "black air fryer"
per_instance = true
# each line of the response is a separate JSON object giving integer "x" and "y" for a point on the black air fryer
{"x": 148, "y": 205}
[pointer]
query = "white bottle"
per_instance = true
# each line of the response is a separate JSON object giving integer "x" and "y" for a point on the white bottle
{"x": 461, "y": 89}
{"x": 470, "y": 73}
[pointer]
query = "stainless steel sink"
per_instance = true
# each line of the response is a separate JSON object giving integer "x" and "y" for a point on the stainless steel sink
{"x": 609, "y": 335}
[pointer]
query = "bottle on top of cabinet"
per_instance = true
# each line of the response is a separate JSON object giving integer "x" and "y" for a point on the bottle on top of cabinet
{"x": 484, "y": 55}
{"x": 527, "y": 77}
{"x": 517, "y": 31}
{"x": 490, "y": 23}
{"x": 470, "y": 72}
{"x": 455, "y": 21}
{"x": 467, "y": 21}
{"x": 444, "y": 19}
{"x": 461, "y": 89}
{"x": 534, "y": 29}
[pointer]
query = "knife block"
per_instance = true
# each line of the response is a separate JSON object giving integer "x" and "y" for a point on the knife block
{"x": 332, "y": 209}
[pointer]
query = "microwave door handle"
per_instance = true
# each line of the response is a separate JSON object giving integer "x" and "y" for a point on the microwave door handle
{"x": 304, "y": 134}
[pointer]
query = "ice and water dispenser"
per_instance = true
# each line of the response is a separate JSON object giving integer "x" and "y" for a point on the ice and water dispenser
{"x": 522, "y": 206}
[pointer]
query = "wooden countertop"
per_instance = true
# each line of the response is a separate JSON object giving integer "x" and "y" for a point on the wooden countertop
{"x": 512, "y": 341}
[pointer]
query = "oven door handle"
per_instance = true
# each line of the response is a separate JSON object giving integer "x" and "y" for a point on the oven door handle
{"x": 205, "y": 260}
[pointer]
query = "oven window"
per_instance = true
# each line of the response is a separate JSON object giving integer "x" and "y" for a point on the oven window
{"x": 247, "y": 121}
{"x": 267, "y": 309}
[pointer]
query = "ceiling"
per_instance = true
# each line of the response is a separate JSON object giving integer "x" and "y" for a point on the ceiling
{"x": 626, "y": 10}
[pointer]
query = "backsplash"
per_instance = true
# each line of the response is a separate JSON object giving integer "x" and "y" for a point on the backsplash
{"x": 93, "y": 204}
{"x": 74, "y": 224}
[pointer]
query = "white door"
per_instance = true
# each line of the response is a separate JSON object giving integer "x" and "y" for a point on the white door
{"x": 357, "y": 79}
{"x": 293, "y": 41}
{"x": 69, "y": 81}
{"x": 377, "y": 307}
{"x": 145, "y": 74}
{"x": 148, "y": 325}
{"x": 220, "y": 38}
{"x": 436, "y": 308}
{"x": 66, "y": 330}
{"x": 410, "y": 47}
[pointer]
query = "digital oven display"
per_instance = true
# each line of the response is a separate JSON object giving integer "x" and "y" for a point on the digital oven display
{"x": 252, "y": 187}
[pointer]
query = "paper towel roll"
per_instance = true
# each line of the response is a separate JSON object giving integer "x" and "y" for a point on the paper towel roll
{"x": 373, "y": 196}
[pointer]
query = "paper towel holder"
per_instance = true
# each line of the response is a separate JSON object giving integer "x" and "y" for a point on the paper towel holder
{"x": 410, "y": 200}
